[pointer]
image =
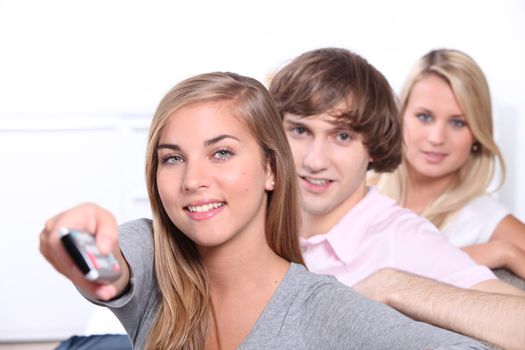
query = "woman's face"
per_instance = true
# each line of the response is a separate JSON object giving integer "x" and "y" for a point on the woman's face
{"x": 437, "y": 136}
{"x": 211, "y": 176}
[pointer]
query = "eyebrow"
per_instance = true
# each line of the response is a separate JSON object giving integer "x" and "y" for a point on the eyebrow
{"x": 426, "y": 110}
{"x": 219, "y": 138}
{"x": 336, "y": 126}
{"x": 293, "y": 122}
{"x": 209, "y": 142}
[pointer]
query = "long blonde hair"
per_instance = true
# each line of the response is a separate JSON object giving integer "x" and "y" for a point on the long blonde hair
{"x": 471, "y": 90}
{"x": 183, "y": 315}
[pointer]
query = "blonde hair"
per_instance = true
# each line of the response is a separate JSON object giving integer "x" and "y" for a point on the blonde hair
{"x": 470, "y": 87}
{"x": 182, "y": 319}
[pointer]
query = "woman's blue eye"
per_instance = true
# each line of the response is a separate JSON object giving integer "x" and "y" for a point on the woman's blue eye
{"x": 458, "y": 123}
{"x": 223, "y": 154}
{"x": 172, "y": 159}
{"x": 424, "y": 117}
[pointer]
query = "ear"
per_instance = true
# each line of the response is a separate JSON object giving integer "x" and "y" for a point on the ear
{"x": 270, "y": 180}
{"x": 370, "y": 161}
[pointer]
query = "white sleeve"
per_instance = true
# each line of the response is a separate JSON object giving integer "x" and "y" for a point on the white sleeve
{"x": 476, "y": 222}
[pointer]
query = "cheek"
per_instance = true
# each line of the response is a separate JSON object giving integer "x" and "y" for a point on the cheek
{"x": 354, "y": 164}
{"x": 166, "y": 186}
{"x": 411, "y": 133}
{"x": 297, "y": 152}
{"x": 464, "y": 144}
{"x": 161, "y": 187}
{"x": 240, "y": 181}
{"x": 414, "y": 138}
{"x": 243, "y": 181}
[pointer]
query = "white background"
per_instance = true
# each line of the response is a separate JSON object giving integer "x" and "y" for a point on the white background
{"x": 79, "y": 81}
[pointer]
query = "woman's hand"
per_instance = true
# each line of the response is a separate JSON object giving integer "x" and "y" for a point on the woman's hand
{"x": 101, "y": 223}
{"x": 499, "y": 254}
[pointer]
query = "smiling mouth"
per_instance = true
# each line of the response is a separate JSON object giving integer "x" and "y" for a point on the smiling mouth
{"x": 317, "y": 182}
{"x": 434, "y": 157}
{"x": 434, "y": 153}
{"x": 203, "y": 208}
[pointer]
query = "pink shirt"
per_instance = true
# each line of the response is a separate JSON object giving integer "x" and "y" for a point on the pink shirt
{"x": 378, "y": 233}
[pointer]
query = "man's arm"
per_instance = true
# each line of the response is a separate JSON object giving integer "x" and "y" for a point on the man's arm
{"x": 493, "y": 317}
{"x": 499, "y": 287}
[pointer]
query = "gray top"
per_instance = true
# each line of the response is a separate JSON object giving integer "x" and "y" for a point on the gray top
{"x": 307, "y": 311}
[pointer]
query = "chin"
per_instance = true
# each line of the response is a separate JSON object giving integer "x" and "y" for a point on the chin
{"x": 435, "y": 175}
{"x": 317, "y": 210}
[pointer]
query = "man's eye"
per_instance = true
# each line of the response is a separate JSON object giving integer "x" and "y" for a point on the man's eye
{"x": 299, "y": 130}
{"x": 343, "y": 136}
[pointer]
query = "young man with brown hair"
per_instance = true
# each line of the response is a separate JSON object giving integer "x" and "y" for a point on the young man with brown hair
{"x": 340, "y": 116}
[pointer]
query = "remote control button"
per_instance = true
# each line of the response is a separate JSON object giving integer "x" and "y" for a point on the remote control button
{"x": 93, "y": 259}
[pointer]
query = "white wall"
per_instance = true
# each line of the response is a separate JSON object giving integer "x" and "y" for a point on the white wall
{"x": 79, "y": 80}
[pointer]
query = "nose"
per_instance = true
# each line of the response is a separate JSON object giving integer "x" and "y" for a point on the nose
{"x": 436, "y": 134}
{"x": 316, "y": 158}
{"x": 196, "y": 176}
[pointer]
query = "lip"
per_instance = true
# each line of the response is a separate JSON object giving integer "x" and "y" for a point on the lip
{"x": 204, "y": 209}
{"x": 322, "y": 185}
{"x": 434, "y": 157}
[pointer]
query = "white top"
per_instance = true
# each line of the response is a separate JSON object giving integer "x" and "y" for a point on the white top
{"x": 476, "y": 222}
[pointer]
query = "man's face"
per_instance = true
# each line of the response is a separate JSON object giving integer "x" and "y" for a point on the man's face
{"x": 331, "y": 163}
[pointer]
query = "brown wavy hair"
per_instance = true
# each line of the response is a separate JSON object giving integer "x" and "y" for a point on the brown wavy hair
{"x": 321, "y": 80}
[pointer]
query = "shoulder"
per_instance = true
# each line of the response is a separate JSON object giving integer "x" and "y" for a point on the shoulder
{"x": 397, "y": 220}
{"x": 136, "y": 230}
{"x": 138, "y": 226}
{"x": 299, "y": 277}
{"x": 379, "y": 214}
{"x": 311, "y": 291}
{"x": 476, "y": 221}
{"x": 485, "y": 204}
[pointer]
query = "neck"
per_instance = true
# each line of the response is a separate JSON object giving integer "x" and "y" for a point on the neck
{"x": 422, "y": 190}
{"x": 319, "y": 222}
{"x": 239, "y": 270}
{"x": 241, "y": 282}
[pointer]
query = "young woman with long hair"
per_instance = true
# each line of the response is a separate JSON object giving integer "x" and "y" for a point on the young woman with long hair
{"x": 219, "y": 266}
{"x": 450, "y": 159}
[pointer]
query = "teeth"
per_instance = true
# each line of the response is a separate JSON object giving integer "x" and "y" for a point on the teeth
{"x": 317, "y": 181}
{"x": 205, "y": 207}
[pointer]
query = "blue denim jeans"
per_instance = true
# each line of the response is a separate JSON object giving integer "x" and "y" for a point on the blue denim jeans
{"x": 96, "y": 342}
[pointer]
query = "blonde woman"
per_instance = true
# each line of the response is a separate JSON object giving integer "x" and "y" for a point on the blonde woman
{"x": 219, "y": 266}
{"x": 450, "y": 158}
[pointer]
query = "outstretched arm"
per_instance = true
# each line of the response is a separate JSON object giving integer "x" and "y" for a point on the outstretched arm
{"x": 493, "y": 317}
{"x": 90, "y": 218}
